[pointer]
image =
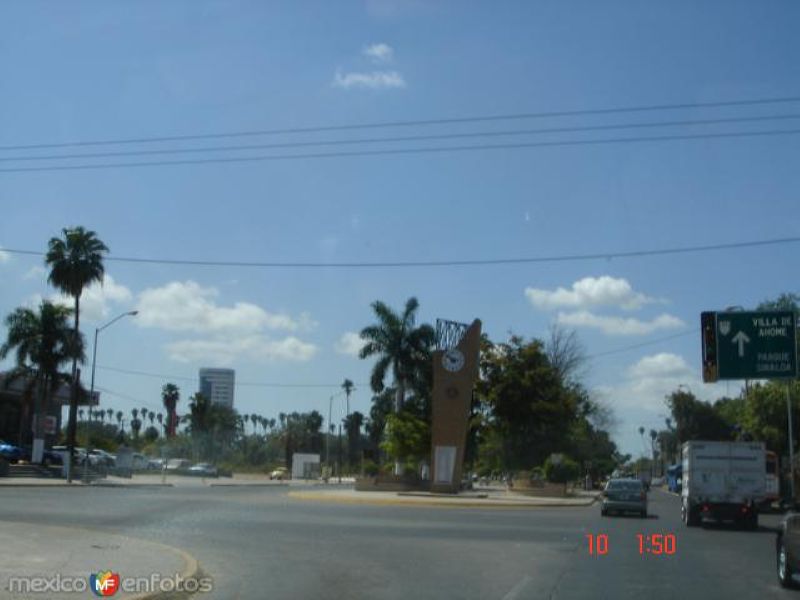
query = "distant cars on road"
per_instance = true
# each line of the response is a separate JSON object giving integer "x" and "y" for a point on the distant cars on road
{"x": 203, "y": 470}
{"x": 624, "y": 495}
{"x": 280, "y": 474}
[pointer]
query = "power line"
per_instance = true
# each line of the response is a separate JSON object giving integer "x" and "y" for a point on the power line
{"x": 236, "y": 383}
{"x": 446, "y": 263}
{"x": 412, "y": 123}
{"x": 643, "y": 344}
{"x": 407, "y": 151}
{"x": 412, "y": 138}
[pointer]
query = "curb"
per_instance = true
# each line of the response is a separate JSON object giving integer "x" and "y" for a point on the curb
{"x": 191, "y": 568}
{"x": 246, "y": 485}
{"x": 191, "y": 571}
{"x": 492, "y": 505}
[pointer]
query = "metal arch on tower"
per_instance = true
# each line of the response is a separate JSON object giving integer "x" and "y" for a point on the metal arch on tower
{"x": 449, "y": 333}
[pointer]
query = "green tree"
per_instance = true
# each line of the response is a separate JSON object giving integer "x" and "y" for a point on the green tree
{"x": 400, "y": 346}
{"x": 170, "y": 396}
{"x": 697, "y": 420}
{"x": 408, "y": 439}
{"x": 136, "y": 424}
{"x": 352, "y": 426}
{"x": 42, "y": 343}
{"x": 562, "y": 470}
{"x": 765, "y": 417}
{"x": 530, "y": 408}
{"x": 75, "y": 262}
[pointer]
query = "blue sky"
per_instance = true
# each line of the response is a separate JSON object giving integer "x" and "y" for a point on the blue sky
{"x": 93, "y": 71}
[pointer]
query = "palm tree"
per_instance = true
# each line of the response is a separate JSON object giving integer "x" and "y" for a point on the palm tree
{"x": 170, "y": 395}
{"x": 42, "y": 343}
{"x": 399, "y": 345}
{"x": 136, "y": 424}
{"x": 245, "y": 420}
{"x": 110, "y": 413}
{"x": 348, "y": 387}
{"x": 80, "y": 414}
{"x": 253, "y": 420}
{"x": 75, "y": 261}
{"x": 119, "y": 419}
{"x": 152, "y": 416}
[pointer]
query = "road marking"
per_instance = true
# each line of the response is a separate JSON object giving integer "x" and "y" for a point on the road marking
{"x": 518, "y": 589}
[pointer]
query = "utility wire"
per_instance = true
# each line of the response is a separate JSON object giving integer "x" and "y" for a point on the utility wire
{"x": 412, "y": 123}
{"x": 411, "y": 138}
{"x": 401, "y": 151}
{"x": 643, "y": 344}
{"x": 446, "y": 263}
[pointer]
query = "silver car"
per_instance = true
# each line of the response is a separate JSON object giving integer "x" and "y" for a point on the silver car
{"x": 624, "y": 495}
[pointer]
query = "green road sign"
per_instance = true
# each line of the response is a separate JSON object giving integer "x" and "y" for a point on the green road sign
{"x": 756, "y": 345}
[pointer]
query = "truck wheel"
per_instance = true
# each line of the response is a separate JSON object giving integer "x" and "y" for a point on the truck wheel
{"x": 784, "y": 569}
{"x": 689, "y": 516}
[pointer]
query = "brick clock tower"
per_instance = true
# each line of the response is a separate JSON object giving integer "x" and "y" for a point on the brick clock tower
{"x": 455, "y": 370}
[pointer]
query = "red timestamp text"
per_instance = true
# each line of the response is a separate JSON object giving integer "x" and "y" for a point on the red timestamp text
{"x": 658, "y": 544}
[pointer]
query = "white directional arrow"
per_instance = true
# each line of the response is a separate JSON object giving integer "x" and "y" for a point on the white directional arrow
{"x": 741, "y": 339}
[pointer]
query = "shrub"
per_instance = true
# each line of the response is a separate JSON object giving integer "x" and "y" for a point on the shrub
{"x": 564, "y": 471}
{"x": 371, "y": 468}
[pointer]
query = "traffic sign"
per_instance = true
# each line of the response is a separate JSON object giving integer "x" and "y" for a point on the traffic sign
{"x": 749, "y": 345}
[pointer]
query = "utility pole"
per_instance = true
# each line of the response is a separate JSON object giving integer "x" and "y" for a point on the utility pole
{"x": 791, "y": 440}
{"x": 340, "y": 453}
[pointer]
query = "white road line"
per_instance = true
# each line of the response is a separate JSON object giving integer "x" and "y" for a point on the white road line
{"x": 518, "y": 589}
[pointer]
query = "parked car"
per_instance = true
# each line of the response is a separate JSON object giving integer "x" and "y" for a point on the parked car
{"x": 178, "y": 465}
{"x": 203, "y": 470}
{"x": 102, "y": 457}
{"x": 624, "y": 495}
{"x": 156, "y": 464}
{"x": 11, "y": 453}
{"x": 787, "y": 550}
{"x": 280, "y": 473}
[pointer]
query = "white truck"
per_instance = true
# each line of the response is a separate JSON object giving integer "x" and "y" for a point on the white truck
{"x": 724, "y": 481}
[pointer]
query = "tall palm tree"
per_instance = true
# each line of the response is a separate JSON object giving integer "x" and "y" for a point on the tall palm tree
{"x": 152, "y": 416}
{"x": 245, "y": 421}
{"x": 399, "y": 345}
{"x": 42, "y": 342}
{"x": 119, "y": 416}
{"x": 160, "y": 419}
{"x": 136, "y": 424}
{"x": 170, "y": 395}
{"x": 110, "y": 413}
{"x": 75, "y": 261}
{"x": 254, "y": 420}
{"x": 348, "y": 388}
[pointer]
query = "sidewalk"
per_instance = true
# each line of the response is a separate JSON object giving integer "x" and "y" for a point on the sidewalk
{"x": 153, "y": 480}
{"x": 488, "y": 498}
{"x": 50, "y": 552}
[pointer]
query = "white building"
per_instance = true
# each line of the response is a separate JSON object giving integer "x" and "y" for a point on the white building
{"x": 218, "y": 385}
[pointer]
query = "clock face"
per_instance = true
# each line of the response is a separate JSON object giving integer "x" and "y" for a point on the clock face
{"x": 453, "y": 360}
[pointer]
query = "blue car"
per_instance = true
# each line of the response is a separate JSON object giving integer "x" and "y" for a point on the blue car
{"x": 11, "y": 453}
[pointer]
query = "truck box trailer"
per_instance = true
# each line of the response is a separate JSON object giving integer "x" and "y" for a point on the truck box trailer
{"x": 723, "y": 481}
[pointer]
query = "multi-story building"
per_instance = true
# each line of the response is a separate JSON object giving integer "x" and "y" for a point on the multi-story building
{"x": 217, "y": 385}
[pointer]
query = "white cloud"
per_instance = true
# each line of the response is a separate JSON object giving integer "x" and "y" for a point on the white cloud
{"x": 379, "y": 53}
{"x": 619, "y": 325}
{"x": 35, "y": 272}
{"x": 4, "y": 256}
{"x": 97, "y": 299}
{"x": 590, "y": 291}
{"x": 373, "y": 80}
{"x": 350, "y": 344}
{"x": 660, "y": 366}
{"x": 187, "y": 306}
{"x": 255, "y": 348}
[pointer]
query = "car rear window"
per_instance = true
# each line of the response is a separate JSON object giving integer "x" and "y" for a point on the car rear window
{"x": 624, "y": 485}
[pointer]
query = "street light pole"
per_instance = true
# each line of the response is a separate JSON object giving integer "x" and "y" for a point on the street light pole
{"x": 97, "y": 331}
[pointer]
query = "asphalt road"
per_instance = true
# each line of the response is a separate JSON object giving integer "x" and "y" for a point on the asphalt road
{"x": 258, "y": 543}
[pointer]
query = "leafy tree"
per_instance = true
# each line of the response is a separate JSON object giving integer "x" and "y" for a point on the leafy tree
{"x": 531, "y": 408}
{"x": 352, "y": 426}
{"x": 151, "y": 434}
{"x": 561, "y": 471}
{"x": 75, "y": 261}
{"x": 42, "y": 343}
{"x": 408, "y": 439}
{"x": 697, "y": 420}
{"x": 765, "y": 416}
